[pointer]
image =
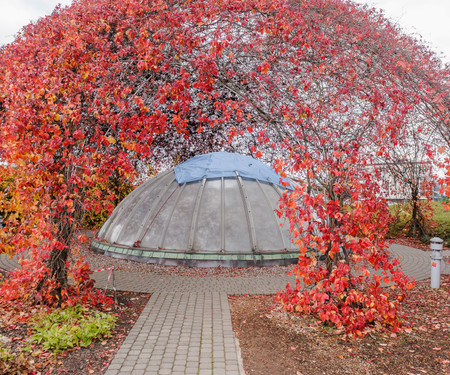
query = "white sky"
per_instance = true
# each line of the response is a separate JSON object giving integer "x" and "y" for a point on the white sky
{"x": 429, "y": 18}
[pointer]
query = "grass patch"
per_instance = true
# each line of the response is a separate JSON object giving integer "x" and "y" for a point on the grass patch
{"x": 441, "y": 219}
{"x": 439, "y": 227}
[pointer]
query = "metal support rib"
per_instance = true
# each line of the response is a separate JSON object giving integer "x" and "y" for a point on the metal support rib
{"x": 248, "y": 212}
{"x": 169, "y": 219}
{"x": 149, "y": 218}
{"x": 118, "y": 210}
{"x": 274, "y": 213}
{"x": 195, "y": 215}
{"x": 280, "y": 194}
{"x": 139, "y": 197}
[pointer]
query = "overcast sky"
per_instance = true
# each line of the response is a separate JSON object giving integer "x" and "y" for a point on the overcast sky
{"x": 429, "y": 18}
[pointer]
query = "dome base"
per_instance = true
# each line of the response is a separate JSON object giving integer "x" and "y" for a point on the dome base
{"x": 172, "y": 258}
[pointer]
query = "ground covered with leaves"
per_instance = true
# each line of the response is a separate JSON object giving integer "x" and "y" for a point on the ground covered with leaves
{"x": 18, "y": 355}
{"x": 275, "y": 342}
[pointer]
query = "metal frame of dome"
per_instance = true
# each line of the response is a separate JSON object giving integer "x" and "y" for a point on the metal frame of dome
{"x": 216, "y": 218}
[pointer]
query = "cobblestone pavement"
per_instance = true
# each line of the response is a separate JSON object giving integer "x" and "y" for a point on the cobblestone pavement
{"x": 180, "y": 333}
{"x": 186, "y": 328}
{"x": 415, "y": 263}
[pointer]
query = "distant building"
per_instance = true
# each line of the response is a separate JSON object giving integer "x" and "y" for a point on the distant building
{"x": 437, "y": 195}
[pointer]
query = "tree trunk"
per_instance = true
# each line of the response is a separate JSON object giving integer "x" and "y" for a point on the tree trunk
{"x": 66, "y": 222}
{"x": 58, "y": 256}
{"x": 414, "y": 218}
{"x": 57, "y": 265}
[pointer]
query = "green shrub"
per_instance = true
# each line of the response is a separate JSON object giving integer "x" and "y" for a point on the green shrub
{"x": 401, "y": 214}
{"x": 66, "y": 328}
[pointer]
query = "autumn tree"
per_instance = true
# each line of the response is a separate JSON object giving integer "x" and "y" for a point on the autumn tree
{"x": 323, "y": 86}
{"x": 409, "y": 177}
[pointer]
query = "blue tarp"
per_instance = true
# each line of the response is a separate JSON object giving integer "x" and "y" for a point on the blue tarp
{"x": 225, "y": 164}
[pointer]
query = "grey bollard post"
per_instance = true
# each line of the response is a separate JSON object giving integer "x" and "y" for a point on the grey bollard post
{"x": 436, "y": 245}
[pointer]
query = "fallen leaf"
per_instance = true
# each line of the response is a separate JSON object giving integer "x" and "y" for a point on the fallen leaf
{"x": 36, "y": 352}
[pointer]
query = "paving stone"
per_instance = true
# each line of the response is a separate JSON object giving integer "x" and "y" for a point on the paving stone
{"x": 114, "y": 366}
{"x": 151, "y": 369}
{"x": 126, "y": 369}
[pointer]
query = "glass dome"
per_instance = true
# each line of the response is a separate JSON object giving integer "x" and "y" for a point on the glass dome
{"x": 213, "y": 210}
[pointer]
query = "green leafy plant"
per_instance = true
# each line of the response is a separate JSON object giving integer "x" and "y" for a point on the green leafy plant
{"x": 66, "y": 328}
{"x": 437, "y": 225}
{"x": 399, "y": 219}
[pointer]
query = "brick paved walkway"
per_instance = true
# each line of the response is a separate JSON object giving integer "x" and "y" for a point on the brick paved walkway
{"x": 186, "y": 328}
{"x": 180, "y": 333}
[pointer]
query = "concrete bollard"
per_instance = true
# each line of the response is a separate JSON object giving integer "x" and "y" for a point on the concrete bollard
{"x": 436, "y": 245}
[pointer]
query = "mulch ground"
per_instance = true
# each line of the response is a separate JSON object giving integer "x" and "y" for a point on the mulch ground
{"x": 275, "y": 342}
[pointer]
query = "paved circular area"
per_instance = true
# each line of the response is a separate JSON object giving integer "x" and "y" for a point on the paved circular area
{"x": 415, "y": 263}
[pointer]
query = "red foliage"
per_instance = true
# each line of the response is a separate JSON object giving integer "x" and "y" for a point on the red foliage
{"x": 344, "y": 264}
{"x": 103, "y": 86}
{"x": 23, "y": 284}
